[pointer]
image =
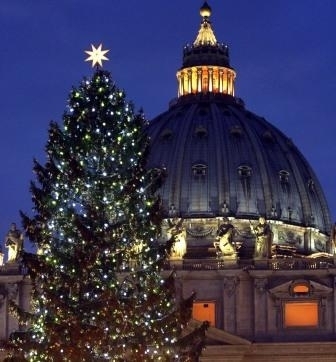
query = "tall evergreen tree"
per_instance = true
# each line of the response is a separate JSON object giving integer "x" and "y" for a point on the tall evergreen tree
{"x": 98, "y": 289}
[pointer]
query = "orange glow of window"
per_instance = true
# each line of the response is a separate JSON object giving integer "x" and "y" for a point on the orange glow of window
{"x": 303, "y": 314}
{"x": 301, "y": 288}
{"x": 204, "y": 311}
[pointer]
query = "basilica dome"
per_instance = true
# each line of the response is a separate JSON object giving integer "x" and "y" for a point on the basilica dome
{"x": 223, "y": 160}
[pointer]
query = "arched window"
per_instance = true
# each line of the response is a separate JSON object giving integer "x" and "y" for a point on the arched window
{"x": 199, "y": 169}
{"x": 284, "y": 180}
{"x": 245, "y": 172}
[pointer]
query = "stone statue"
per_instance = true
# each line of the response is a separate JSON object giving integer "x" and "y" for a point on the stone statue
{"x": 224, "y": 239}
{"x": 263, "y": 239}
{"x": 1, "y": 257}
{"x": 179, "y": 233}
{"x": 333, "y": 238}
{"x": 14, "y": 242}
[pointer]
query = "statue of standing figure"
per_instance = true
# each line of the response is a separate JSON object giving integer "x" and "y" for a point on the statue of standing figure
{"x": 263, "y": 239}
{"x": 14, "y": 243}
{"x": 224, "y": 239}
{"x": 333, "y": 238}
{"x": 179, "y": 233}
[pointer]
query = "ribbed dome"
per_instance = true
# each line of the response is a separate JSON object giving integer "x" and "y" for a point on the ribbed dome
{"x": 222, "y": 159}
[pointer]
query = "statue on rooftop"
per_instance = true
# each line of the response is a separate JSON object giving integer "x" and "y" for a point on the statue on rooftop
{"x": 223, "y": 243}
{"x": 263, "y": 239}
{"x": 179, "y": 233}
{"x": 14, "y": 243}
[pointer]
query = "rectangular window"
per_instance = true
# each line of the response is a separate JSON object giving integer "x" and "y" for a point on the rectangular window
{"x": 301, "y": 314}
{"x": 204, "y": 311}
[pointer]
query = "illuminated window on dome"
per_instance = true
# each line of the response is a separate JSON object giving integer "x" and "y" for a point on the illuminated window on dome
{"x": 204, "y": 311}
{"x": 301, "y": 314}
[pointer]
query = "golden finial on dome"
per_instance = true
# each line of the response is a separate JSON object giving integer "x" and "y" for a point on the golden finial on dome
{"x": 205, "y": 35}
{"x": 206, "y": 64}
{"x": 205, "y": 10}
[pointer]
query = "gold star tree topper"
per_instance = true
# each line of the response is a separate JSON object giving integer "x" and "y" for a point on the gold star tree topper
{"x": 96, "y": 55}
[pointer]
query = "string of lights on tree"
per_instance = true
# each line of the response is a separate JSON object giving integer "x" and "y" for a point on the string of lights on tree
{"x": 99, "y": 291}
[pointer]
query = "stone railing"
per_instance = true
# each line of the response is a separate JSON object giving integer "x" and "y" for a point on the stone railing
{"x": 272, "y": 264}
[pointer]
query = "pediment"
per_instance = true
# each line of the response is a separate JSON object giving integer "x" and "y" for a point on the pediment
{"x": 316, "y": 289}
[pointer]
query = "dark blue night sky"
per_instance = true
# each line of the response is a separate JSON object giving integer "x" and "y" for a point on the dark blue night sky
{"x": 283, "y": 51}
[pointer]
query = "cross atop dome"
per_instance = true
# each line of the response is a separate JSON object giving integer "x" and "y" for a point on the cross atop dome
{"x": 205, "y": 35}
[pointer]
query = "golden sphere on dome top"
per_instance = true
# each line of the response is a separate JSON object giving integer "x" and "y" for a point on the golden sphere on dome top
{"x": 205, "y": 10}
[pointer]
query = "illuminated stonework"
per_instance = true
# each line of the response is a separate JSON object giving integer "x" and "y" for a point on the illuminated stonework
{"x": 206, "y": 79}
{"x": 236, "y": 184}
{"x": 206, "y": 35}
{"x": 206, "y": 66}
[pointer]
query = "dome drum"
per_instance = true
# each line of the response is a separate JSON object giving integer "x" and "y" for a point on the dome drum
{"x": 200, "y": 235}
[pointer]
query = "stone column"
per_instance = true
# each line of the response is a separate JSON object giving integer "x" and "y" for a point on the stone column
{"x": 225, "y": 82}
{"x": 182, "y": 83}
{"x": 334, "y": 306}
{"x": 210, "y": 86}
{"x": 12, "y": 295}
{"x": 260, "y": 306}
{"x": 229, "y": 83}
{"x": 189, "y": 81}
{"x": 25, "y": 295}
{"x": 179, "y": 80}
{"x": 3, "y": 312}
{"x": 229, "y": 301}
{"x": 220, "y": 80}
{"x": 194, "y": 78}
{"x": 199, "y": 79}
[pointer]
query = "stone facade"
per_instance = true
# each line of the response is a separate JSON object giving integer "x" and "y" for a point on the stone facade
{"x": 227, "y": 168}
{"x": 14, "y": 285}
{"x": 249, "y": 323}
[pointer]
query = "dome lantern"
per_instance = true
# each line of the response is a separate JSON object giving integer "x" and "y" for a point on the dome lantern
{"x": 206, "y": 67}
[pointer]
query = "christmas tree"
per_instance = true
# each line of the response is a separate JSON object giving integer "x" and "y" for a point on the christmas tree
{"x": 98, "y": 288}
